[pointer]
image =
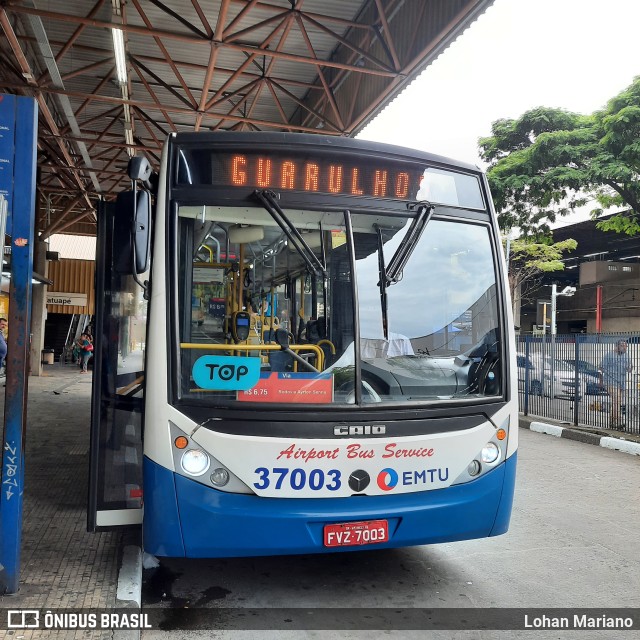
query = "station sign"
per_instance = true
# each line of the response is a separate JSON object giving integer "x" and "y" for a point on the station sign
{"x": 67, "y": 299}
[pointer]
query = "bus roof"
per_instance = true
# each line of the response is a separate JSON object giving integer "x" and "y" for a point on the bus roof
{"x": 287, "y": 139}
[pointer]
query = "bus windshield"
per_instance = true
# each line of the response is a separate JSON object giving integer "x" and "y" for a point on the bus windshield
{"x": 441, "y": 315}
{"x": 268, "y": 298}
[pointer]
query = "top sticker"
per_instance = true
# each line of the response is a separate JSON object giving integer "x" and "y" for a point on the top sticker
{"x": 226, "y": 373}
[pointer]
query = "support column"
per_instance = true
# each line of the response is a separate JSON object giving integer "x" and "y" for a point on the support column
{"x": 21, "y": 229}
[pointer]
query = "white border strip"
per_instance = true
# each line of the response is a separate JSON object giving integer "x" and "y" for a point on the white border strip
{"x": 130, "y": 576}
{"x": 129, "y": 593}
{"x": 618, "y": 444}
{"x": 543, "y": 427}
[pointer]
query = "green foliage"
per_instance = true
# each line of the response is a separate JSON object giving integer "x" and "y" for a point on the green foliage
{"x": 529, "y": 259}
{"x": 549, "y": 161}
{"x": 539, "y": 254}
{"x": 626, "y": 222}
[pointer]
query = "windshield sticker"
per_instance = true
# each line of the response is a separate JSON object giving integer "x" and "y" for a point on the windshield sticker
{"x": 290, "y": 388}
{"x": 226, "y": 373}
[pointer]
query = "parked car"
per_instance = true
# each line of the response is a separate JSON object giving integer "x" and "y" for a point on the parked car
{"x": 593, "y": 386}
{"x": 540, "y": 383}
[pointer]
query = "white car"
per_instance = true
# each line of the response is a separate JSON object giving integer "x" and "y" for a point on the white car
{"x": 540, "y": 381}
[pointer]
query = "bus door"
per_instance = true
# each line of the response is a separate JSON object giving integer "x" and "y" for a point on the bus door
{"x": 115, "y": 487}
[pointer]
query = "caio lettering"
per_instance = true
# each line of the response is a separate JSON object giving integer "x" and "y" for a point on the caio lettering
{"x": 360, "y": 430}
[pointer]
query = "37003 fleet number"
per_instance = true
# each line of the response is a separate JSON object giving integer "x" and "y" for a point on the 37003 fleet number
{"x": 297, "y": 479}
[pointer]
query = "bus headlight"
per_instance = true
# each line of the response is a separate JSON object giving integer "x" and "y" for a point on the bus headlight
{"x": 195, "y": 462}
{"x": 220, "y": 477}
{"x": 490, "y": 452}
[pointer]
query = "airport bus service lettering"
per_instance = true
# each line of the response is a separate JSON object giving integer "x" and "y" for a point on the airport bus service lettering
{"x": 354, "y": 451}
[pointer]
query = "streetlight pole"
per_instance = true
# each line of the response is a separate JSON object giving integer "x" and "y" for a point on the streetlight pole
{"x": 554, "y": 295}
{"x": 567, "y": 291}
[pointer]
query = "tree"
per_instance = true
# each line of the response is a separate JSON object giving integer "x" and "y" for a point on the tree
{"x": 528, "y": 261}
{"x": 550, "y": 161}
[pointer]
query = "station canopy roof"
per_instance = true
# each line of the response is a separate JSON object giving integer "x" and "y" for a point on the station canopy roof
{"x": 320, "y": 66}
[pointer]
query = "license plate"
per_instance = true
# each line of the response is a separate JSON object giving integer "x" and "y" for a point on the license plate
{"x": 356, "y": 533}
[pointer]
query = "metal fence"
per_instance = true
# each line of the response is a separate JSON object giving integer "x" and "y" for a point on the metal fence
{"x": 559, "y": 378}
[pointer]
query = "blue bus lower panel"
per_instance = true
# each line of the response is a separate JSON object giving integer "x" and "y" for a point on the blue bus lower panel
{"x": 186, "y": 518}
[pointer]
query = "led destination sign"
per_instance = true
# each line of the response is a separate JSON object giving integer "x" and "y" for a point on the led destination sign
{"x": 327, "y": 177}
{"x": 306, "y": 174}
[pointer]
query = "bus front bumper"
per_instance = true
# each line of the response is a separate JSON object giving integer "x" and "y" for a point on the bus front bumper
{"x": 183, "y": 518}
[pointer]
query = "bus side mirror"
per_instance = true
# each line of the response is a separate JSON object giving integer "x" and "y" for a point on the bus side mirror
{"x": 132, "y": 232}
{"x": 139, "y": 169}
{"x": 142, "y": 232}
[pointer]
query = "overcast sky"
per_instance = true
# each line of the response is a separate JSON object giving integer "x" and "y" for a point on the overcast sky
{"x": 571, "y": 54}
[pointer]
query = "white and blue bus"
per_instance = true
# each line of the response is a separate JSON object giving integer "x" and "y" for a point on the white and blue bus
{"x": 304, "y": 345}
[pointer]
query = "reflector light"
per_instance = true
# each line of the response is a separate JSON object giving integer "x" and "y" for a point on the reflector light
{"x": 220, "y": 477}
{"x": 181, "y": 442}
{"x": 474, "y": 468}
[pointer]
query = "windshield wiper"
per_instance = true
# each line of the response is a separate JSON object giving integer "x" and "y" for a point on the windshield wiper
{"x": 270, "y": 203}
{"x": 391, "y": 274}
{"x": 409, "y": 243}
{"x": 382, "y": 283}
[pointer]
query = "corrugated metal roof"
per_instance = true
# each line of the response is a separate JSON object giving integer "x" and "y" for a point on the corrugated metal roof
{"x": 309, "y": 65}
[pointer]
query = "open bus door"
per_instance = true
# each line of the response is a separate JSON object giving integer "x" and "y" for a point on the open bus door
{"x": 117, "y": 401}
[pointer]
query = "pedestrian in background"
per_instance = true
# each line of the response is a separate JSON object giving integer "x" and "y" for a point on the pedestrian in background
{"x": 86, "y": 349}
{"x": 613, "y": 376}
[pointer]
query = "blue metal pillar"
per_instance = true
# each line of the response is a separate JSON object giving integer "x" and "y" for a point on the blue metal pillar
{"x": 20, "y": 226}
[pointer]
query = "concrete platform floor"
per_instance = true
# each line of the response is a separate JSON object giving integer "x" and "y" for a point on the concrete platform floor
{"x": 62, "y": 566}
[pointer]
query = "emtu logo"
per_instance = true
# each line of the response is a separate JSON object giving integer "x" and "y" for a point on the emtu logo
{"x": 387, "y": 479}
